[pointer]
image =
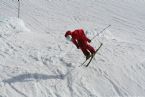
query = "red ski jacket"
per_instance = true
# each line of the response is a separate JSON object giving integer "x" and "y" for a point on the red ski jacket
{"x": 79, "y": 38}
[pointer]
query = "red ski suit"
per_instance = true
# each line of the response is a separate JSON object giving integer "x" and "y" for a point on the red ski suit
{"x": 81, "y": 41}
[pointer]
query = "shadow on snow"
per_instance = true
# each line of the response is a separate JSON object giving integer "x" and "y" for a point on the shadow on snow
{"x": 31, "y": 77}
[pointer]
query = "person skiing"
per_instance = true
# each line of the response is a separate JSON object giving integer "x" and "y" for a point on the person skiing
{"x": 79, "y": 38}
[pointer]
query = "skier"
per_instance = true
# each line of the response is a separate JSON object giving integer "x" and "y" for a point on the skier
{"x": 79, "y": 38}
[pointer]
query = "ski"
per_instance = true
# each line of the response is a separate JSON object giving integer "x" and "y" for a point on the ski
{"x": 94, "y": 55}
{"x": 83, "y": 63}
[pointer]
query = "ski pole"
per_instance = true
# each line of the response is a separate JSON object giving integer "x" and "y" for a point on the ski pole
{"x": 101, "y": 32}
{"x": 18, "y": 8}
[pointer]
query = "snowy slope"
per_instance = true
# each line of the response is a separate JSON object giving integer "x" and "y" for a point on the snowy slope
{"x": 37, "y": 61}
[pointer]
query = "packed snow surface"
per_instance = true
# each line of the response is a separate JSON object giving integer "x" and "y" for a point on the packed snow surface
{"x": 37, "y": 61}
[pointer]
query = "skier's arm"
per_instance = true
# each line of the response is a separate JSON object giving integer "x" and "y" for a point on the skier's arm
{"x": 75, "y": 42}
{"x": 86, "y": 37}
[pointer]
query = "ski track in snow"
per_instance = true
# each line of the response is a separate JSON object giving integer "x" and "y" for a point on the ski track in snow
{"x": 37, "y": 61}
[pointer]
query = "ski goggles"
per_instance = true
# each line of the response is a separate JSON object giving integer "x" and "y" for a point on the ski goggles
{"x": 69, "y": 38}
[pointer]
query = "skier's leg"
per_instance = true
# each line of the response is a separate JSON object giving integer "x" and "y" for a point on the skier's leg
{"x": 91, "y": 49}
{"x": 85, "y": 52}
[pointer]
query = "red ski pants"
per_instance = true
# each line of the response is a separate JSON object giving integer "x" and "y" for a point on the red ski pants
{"x": 87, "y": 49}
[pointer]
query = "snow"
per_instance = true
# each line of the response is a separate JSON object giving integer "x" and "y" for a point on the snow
{"x": 37, "y": 61}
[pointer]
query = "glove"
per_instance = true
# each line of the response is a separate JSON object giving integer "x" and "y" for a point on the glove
{"x": 78, "y": 47}
{"x": 89, "y": 40}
